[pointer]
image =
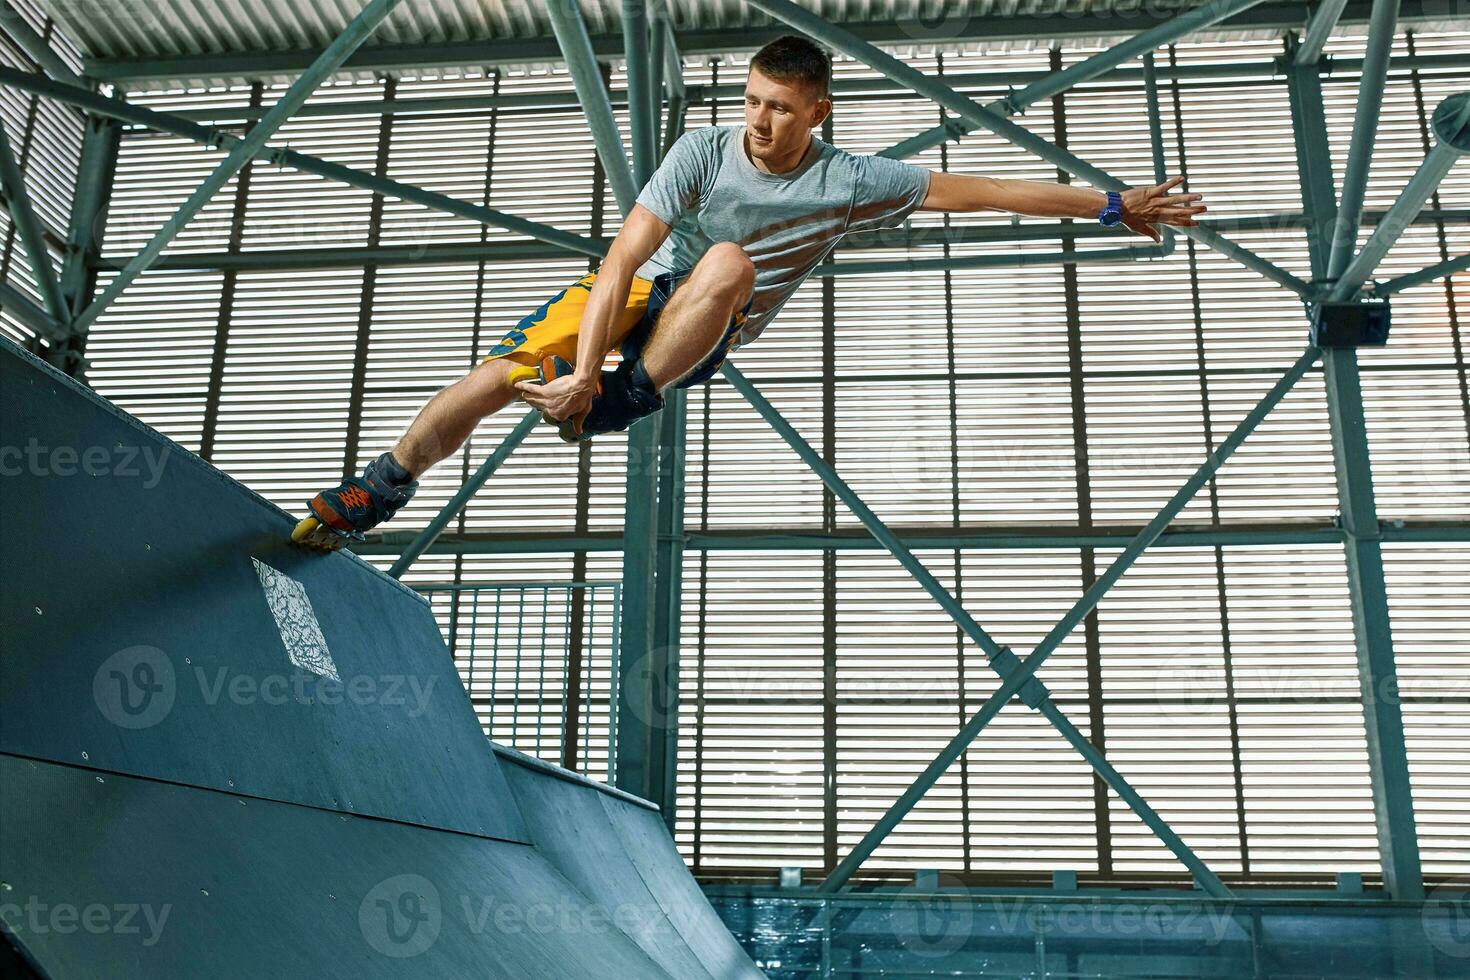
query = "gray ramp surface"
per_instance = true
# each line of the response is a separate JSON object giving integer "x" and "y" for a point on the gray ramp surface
{"x": 221, "y": 756}
{"x": 158, "y": 622}
{"x": 229, "y": 887}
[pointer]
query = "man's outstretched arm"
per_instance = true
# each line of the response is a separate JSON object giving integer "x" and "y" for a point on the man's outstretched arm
{"x": 1143, "y": 207}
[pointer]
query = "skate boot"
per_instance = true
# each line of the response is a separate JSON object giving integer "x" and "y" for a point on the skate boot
{"x": 357, "y": 504}
{"x": 623, "y": 397}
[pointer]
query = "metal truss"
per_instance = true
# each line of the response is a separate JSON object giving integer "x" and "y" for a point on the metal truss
{"x": 654, "y": 539}
{"x": 1064, "y": 22}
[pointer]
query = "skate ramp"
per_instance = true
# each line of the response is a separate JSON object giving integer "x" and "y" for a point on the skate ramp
{"x": 222, "y": 756}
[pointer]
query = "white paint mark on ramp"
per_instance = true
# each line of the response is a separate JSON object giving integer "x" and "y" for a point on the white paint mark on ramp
{"x": 300, "y": 631}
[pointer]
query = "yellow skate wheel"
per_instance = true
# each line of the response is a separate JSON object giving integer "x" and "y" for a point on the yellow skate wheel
{"x": 519, "y": 374}
{"x": 304, "y": 529}
{"x": 312, "y": 533}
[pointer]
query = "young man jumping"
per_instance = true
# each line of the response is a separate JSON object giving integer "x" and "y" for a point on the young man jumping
{"x": 752, "y": 209}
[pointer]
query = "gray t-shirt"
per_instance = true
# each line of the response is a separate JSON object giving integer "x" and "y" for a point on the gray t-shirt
{"x": 710, "y": 191}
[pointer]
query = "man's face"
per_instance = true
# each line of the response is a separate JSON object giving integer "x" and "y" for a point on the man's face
{"x": 779, "y": 116}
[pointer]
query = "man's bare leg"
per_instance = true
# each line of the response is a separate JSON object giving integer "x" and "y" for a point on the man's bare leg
{"x": 447, "y": 420}
{"x": 693, "y": 322}
{"x": 688, "y": 328}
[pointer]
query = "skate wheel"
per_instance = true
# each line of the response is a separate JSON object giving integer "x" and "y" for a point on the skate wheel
{"x": 303, "y": 529}
{"x": 312, "y": 533}
{"x": 519, "y": 374}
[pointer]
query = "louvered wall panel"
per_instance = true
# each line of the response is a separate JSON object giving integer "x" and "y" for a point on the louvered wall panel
{"x": 750, "y": 763}
{"x": 421, "y": 334}
{"x": 287, "y": 381}
{"x": 46, "y": 139}
{"x": 752, "y": 471}
{"x": 1308, "y": 802}
{"x": 156, "y": 173}
{"x": 755, "y": 738}
{"x": 1166, "y": 710}
{"x": 151, "y": 350}
{"x": 1431, "y": 637}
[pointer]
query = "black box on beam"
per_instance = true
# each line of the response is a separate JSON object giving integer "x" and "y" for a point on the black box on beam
{"x": 1356, "y": 324}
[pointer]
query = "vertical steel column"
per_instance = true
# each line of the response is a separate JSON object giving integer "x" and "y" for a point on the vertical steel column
{"x": 646, "y": 689}
{"x": 641, "y": 118}
{"x": 673, "y": 75}
{"x": 668, "y": 597}
{"x": 1388, "y": 763}
{"x": 323, "y": 68}
{"x": 1387, "y": 756}
{"x": 669, "y": 556}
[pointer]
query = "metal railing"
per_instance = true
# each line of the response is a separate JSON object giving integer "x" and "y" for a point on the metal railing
{"x": 540, "y": 663}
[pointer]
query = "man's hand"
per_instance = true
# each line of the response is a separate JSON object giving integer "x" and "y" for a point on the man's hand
{"x": 564, "y": 398}
{"x": 1145, "y": 207}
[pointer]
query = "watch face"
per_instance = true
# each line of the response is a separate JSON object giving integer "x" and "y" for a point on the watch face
{"x": 1110, "y": 218}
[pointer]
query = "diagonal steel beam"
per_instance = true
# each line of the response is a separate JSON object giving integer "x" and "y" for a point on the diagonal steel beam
{"x": 1428, "y": 274}
{"x": 29, "y": 227}
{"x": 576, "y": 49}
{"x": 164, "y": 122}
{"x": 1001, "y": 659}
{"x": 1086, "y": 70}
{"x": 28, "y": 313}
{"x": 1024, "y": 673}
{"x": 457, "y": 503}
{"x": 1319, "y": 28}
{"x": 1125, "y": 254}
{"x": 1452, "y": 134}
{"x": 1365, "y": 132}
{"x": 996, "y": 121}
{"x": 35, "y": 45}
{"x": 337, "y": 52}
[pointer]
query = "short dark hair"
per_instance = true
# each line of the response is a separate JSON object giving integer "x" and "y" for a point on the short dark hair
{"x": 793, "y": 58}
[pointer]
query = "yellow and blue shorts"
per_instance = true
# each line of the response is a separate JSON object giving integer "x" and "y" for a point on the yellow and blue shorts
{"x": 553, "y": 328}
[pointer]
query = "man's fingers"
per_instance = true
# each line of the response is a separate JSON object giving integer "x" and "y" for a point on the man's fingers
{"x": 1171, "y": 182}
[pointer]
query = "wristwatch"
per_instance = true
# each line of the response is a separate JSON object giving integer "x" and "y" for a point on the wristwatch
{"x": 1112, "y": 212}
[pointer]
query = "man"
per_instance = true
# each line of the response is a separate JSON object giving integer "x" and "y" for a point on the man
{"x": 753, "y": 210}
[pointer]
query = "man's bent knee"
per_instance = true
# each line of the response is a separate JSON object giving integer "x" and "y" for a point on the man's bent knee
{"x": 728, "y": 264}
{"x": 489, "y": 381}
